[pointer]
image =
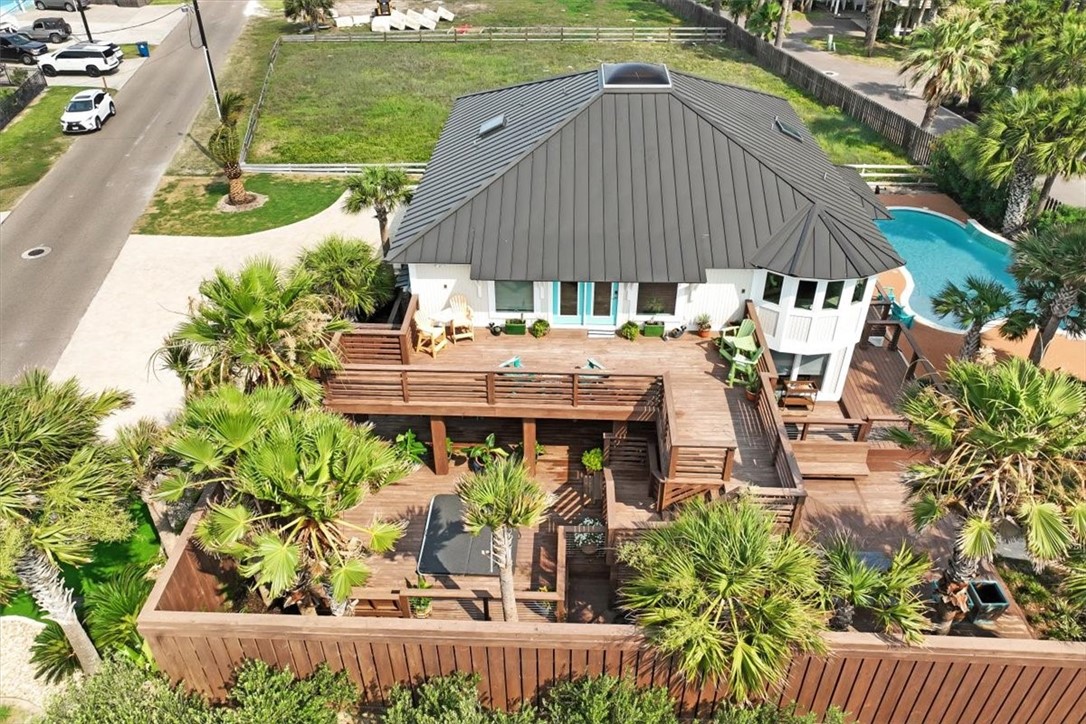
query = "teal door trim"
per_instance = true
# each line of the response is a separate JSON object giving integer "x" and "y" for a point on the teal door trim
{"x": 584, "y": 311}
{"x": 588, "y": 292}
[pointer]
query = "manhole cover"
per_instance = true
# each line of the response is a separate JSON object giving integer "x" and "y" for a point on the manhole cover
{"x": 830, "y": 73}
{"x": 36, "y": 253}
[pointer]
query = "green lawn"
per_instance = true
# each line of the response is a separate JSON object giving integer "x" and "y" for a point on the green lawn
{"x": 186, "y": 205}
{"x": 107, "y": 561}
{"x": 380, "y": 103}
{"x": 31, "y": 143}
{"x": 594, "y": 13}
{"x": 886, "y": 54}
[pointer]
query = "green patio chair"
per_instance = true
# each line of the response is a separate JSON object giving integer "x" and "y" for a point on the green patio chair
{"x": 739, "y": 337}
{"x": 740, "y": 362}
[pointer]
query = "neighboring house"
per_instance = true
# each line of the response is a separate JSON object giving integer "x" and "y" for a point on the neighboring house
{"x": 631, "y": 192}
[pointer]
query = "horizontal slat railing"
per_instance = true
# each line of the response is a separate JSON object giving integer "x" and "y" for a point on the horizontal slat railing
{"x": 380, "y": 344}
{"x": 542, "y": 34}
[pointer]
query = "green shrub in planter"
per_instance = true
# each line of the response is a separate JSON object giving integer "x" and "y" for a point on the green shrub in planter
{"x": 540, "y": 327}
{"x": 653, "y": 329}
{"x": 592, "y": 460}
{"x": 516, "y": 327}
{"x": 629, "y": 331}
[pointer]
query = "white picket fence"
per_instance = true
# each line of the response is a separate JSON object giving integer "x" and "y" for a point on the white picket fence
{"x": 468, "y": 34}
{"x": 331, "y": 169}
{"x": 894, "y": 175}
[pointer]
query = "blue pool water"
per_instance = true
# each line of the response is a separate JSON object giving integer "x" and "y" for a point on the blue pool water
{"x": 938, "y": 250}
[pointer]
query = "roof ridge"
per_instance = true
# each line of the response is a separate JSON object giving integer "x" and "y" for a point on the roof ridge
{"x": 513, "y": 163}
{"x": 525, "y": 84}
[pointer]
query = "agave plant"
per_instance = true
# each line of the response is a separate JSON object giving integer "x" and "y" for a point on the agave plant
{"x": 283, "y": 516}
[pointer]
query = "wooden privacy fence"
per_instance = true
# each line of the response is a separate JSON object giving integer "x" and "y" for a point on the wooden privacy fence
{"x": 20, "y": 98}
{"x": 890, "y": 125}
{"x": 482, "y": 34}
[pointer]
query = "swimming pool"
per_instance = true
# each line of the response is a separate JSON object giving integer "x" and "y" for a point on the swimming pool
{"x": 937, "y": 250}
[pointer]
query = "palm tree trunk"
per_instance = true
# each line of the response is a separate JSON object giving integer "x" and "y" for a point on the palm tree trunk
{"x": 1018, "y": 197}
{"x": 1046, "y": 191}
{"x": 971, "y": 343}
{"x": 951, "y": 596}
{"x": 929, "y": 114}
{"x": 237, "y": 195}
{"x": 503, "y": 552}
{"x": 874, "y": 15}
{"x": 42, "y": 580}
{"x": 782, "y": 22}
{"x": 1061, "y": 307}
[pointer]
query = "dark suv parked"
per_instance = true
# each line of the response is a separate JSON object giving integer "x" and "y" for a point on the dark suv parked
{"x": 20, "y": 49}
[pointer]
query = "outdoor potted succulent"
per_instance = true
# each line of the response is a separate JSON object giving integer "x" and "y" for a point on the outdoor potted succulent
{"x": 654, "y": 327}
{"x": 589, "y": 543}
{"x": 753, "y": 384}
{"x": 593, "y": 464}
{"x": 516, "y": 327}
{"x": 486, "y": 452}
{"x": 704, "y": 323}
{"x": 420, "y": 607}
{"x": 540, "y": 327}
{"x": 629, "y": 331}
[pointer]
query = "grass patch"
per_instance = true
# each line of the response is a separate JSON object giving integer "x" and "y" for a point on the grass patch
{"x": 381, "y": 103}
{"x": 130, "y": 50}
{"x": 568, "y": 13}
{"x": 1038, "y": 594}
{"x": 107, "y": 560}
{"x": 186, "y": 205}
{"x": 31, "y": 143}
{"x": 886, "y": 54}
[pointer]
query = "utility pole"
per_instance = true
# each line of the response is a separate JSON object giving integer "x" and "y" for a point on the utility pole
{"x": 83, "y": 14}
{"x": 207, "y": 58}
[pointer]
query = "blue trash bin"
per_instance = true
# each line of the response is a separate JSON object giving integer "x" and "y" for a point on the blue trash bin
{"x": 143, "y": 49}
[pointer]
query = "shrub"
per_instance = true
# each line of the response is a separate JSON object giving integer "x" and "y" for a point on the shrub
{"x": 629, "y": 331}
{"x": 592, "y": 460}
{"x": 408, "y": 447}
{"x": 112, "y": 608}
{"x": 605, "y": 699}
{"x": 264, "y": 694}
{"x": 767, "y": 713}
{"x": 444, "y": 699}
{"x": 540, "y": 327}
{"x": 949, "y": 166}
{"x": 1060, "y": 216}
{"x": 52, "y": 655}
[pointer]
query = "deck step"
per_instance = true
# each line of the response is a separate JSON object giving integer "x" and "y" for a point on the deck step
{"x": 601, "y": 334}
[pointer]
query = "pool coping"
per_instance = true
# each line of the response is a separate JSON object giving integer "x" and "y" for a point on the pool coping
{"x": 910, "y": 283}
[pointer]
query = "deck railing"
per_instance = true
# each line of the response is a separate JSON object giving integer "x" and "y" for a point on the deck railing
{"x": 379, "y": 343}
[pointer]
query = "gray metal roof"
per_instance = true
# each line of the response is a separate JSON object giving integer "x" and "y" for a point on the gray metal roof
{"x": 586, "y": 183}
{"x": 869, "y": 200}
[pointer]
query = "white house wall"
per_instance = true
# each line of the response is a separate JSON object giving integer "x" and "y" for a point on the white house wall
{"x": 722, "y": 296}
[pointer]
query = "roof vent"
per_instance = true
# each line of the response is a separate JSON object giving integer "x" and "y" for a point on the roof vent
{"x": 786, "y": 129}
{"x": 491, "y": 126}
{"x": 635, "y": 75}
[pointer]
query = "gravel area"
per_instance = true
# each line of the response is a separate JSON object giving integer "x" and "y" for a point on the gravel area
{"x": 18, "y": 687}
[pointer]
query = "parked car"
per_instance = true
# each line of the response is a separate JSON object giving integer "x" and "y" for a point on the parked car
{"x": 48, "y": 30}
{"x": 100, "y": 44}
{"x": 87, "y": 111}
{"x": 89, "y": 58}
{"x": 68, "y": 5}
{"x": 19, "y": 48}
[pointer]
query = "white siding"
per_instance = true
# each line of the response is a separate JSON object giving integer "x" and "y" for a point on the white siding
{"x": 722, "y": 296}
{"x": 435, "y": 283}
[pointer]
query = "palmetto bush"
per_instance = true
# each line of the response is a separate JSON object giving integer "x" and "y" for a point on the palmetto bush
{"x": 261, "y": 327}
{"x": 349, "y": 275}
{"x": 112, "y": 609}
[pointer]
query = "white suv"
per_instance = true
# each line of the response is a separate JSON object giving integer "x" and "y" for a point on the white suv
{"x": 90, "y": 58}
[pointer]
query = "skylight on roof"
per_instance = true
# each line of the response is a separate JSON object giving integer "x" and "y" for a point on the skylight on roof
{"x": 635, "y": 75}
{"x": 492, "y": 125}
{"x": 787, "y": 129}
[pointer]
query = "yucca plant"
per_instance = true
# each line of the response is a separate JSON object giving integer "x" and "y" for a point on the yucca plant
{"x": 52, "y": 655}
{"x": 1007, "y": 445}
{"x": 891, "y": 597}
{"x": 726, "y": 594}
{"x": 286, "y": 495}
{"x": 112, "y": 609}
{"x": 261, "y": 327}
{"x": 502, "y": 497}
{"x": 349, "y": 275}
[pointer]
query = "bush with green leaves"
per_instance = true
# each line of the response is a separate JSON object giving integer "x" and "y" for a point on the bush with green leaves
{"x": 606, "y": 699}
{"x": 52, "y": 654}
{"x": 263, "y": 694}
{"x": 769, "y": 713}
{"x": 950, "y": 167}
{"x": 447, "y": 699}
{"x": 112, "y": 609}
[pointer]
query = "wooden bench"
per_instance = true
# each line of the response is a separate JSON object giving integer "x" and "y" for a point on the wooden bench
{"x": 828, "y": 459}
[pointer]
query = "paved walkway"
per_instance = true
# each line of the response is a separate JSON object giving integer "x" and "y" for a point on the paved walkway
{"x": 885, "y": 85}
{"x": 147, "y": 292}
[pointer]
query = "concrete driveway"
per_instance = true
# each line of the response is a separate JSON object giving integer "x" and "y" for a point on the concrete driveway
{"x": 84, "y": 208}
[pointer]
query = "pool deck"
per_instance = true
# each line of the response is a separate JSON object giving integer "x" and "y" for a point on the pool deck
{"x": 1065, "y": 353}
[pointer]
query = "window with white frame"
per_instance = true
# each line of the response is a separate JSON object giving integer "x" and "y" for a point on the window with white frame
{"x": 513, "y": 297}
{"x": 657, "y": 298}
{"x": 832, "y": 299}
{"x": 774, "y": 285}
{"x": 858, "y": 291}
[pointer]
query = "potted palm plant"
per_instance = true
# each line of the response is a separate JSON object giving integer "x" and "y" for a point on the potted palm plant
{"x": 752, "y": 384}
{"x": 654, "y": 327}
{"x": 704, "y": 323}
{"x": 421, "y": 606}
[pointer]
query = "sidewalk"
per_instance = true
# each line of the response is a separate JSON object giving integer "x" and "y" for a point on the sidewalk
{"x": 885, "y": 85}
{"x": 147, "y": 292}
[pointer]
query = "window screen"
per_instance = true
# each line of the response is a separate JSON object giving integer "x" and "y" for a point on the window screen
{"x": 514, "y": 297}
{"x": 657, "y": 298}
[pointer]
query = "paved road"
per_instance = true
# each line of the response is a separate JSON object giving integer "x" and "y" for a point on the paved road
{"x": 86, "y": 205}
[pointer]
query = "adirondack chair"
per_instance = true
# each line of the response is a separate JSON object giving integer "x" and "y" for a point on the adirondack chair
{"x": 429, "y": 337}
{"x": 740, "y": 361}
{"x": 739, "y": 337}
{"x": 463, "y": 320}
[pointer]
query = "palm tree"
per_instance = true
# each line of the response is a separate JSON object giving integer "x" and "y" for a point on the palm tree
{"x": 954, "y": 55}
{"x": 1064, "y": 153}
{"x": 383, "y": 188}
{"x": 257, "y": 328}
{"x": 1051, "y": 271}
{"x": 311, "y": 11}
{"x": 231, "y": 106}
{"x": 1007, "y": 445}
{"x": 891, "y": 596}
{"x": 874, "y": 17}
{"x": 61, "y": 491}
{"x": 782, "y": 23}
{"x": 113, "y": 607}
{"x": 972, "y": 305}
{"x": 730, "y": 597}
{"x": 224, "y": 148}
{"x": 503, "y": 497}
{"x": 283, "y": 516}
{"x": 763, "y": 22}
{"x": 349, "y": 275}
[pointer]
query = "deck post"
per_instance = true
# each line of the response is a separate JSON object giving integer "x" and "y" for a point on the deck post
{"x": 729, "y": 462}
{"x": 441, "y": 454}
{"x": 528, "y": 426}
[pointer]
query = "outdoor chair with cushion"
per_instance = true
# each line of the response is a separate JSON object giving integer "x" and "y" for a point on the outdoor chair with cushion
{"x": 739, "y": 337}
{"x": 463, "y": 318}
{"x": 429, "y": 337}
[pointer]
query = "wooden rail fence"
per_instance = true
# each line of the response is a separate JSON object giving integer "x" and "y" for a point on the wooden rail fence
{"x": 542, "y": 34}
{"x": 380, "y": 344}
